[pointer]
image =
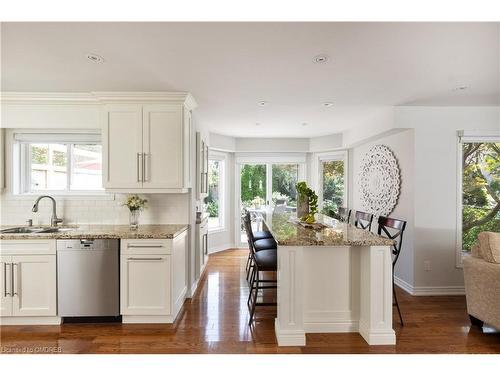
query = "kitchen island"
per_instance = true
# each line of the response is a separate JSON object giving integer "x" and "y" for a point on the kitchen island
{"x": 333, "y": 278}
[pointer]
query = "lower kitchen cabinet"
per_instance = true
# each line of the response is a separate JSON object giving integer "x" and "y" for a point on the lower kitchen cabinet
{"x": 145, "y": 284}
{"x": 28, "y": 282}
{"x": 153, "y": 280}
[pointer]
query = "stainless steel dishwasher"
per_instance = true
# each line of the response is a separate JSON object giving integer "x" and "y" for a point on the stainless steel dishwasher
{"x": 88, "y": 278}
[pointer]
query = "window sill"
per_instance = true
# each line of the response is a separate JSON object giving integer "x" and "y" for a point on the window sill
{"x": 62, "y": 195}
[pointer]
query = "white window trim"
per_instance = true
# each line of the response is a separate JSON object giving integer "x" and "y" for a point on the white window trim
{"x": 220, "y": 157}
{"x": 20, "y": 174}
{"x": 466, "y": 137}
{"x": 332, "y": 156}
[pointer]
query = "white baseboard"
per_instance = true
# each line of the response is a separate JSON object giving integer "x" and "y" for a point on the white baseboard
{"x": 216, "y": 249}
{"x": 289, "y": 338}
{"x": 429, "y": 290}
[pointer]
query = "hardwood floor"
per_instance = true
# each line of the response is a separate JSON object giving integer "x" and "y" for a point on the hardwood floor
{"x": 216, "y": 321}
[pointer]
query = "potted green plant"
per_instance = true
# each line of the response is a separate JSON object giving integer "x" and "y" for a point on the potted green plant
{"x": 135, "y": 205}
{"x": 307, "y": 203}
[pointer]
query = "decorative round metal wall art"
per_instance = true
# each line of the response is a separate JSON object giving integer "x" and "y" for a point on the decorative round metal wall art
{"x": 379, "y": 181}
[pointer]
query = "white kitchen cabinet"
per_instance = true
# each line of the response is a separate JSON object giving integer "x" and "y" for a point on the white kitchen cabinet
{"x": 201, "y": 167}
{"x": 35, "y": 292}
{"x": 122, "y": 146}
{"x": 147, "y": 284}
{"x": 201, "y": 247}
{"x": 147, "y": 145}
{"x": 153, "y": 282}
{"x": 2, "y": 159}
{"x": 29, "y": 281}
{"x": 6, "y": 286}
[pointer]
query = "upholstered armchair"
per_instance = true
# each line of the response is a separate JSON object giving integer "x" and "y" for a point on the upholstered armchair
{"x": 482, "y": 280}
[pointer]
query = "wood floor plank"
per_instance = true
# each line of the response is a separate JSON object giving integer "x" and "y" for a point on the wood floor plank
{"x": 215, "y": 320}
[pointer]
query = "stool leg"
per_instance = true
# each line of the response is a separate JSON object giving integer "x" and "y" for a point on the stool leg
{"x": 254, "y": 302}
{"x": 251, "y": 283}
{"x": 397, "y": 304}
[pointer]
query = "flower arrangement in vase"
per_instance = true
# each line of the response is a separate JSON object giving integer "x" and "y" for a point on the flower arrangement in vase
{"x": 135, "y": 205}
{"x": 307, "y": 203}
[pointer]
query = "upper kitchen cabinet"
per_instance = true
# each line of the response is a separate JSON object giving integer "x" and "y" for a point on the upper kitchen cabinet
{"x": 201, "y": 167}
{"x": 147, "y": 144}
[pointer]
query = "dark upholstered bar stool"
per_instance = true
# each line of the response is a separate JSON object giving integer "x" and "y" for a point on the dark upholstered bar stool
{"x": 257, "y": 245}
{"x": 363, "y": 220}
{"x": 261, "y": 240}
{"x": 262, "y": 261}
{"x": 344, "y": 214}
{"x": 393, "y": 229}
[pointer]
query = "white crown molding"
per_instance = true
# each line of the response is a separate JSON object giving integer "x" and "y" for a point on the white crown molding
{"x": 97, "y": 97}
{"x": 11, "y": 97}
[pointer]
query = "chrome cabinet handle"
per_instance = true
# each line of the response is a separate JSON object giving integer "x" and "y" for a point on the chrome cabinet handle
{"x": 139, "y": 155}
{"x": 144, "y": 167}
{"x": 145, "y": 258}
{"x": 5, "y": 293}
{"x": 13, "y": 274}
{"x": 143, "y": 246}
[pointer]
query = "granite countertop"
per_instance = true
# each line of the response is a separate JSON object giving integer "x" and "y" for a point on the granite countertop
{"x": 288, "y": 232}
{"x": 162, "y": 231}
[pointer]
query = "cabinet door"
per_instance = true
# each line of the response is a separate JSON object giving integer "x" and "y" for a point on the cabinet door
{"x": 145, "y": 284}
{"x": 34, "y": 286}
{"x": 122, "y": 145}
{"x": 5, "y": 286}
{"x": 188, "y": 139}
{"x": 163, "y": 144}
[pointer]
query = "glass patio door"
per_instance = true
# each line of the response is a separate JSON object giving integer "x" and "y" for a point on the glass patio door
{"x": 263, "y": 186}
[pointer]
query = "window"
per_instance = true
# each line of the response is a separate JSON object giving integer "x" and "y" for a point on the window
{"x": 332, "y": 182}
{"x": 59, "y": 163}
{"x": 479, "y": 190}
{"x": 215, "y": 198}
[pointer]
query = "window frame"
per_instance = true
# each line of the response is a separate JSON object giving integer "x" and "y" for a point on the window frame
{"x": 22, "y": 161}
{"x": 466, "y": 137}
{"x": 222, "y": 159}
{"x": 332, "y": 156}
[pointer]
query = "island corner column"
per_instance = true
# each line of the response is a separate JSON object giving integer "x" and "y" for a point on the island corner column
{"x": 289, "y": 325}
{"x": 375, "y": 320}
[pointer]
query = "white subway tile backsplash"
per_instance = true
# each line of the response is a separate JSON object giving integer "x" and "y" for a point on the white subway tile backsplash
{"x": 162, "y": 209}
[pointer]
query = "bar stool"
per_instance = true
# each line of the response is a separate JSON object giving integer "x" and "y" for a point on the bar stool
{"x": 261, "y": 240}
{"x": 344, "y": 214}
{"x": 263, "y": 260}
{"x": 397, "y": 227}
{"x": 363, "y": 220}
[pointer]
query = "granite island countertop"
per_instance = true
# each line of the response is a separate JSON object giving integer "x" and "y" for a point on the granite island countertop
{"x": 287, "y": 232}
{"x": 154, "y": 231}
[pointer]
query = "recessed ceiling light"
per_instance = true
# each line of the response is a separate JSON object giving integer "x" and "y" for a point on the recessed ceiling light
{"x": 327, "y": 104}
{"x": 320, "y": 59}
{"x": 95, "y": 58}
{"x": 461, "y": 88}
{"x": 262, "y": 103}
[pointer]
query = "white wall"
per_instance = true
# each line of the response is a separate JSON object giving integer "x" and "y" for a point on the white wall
{"x": 436, "y": 187}
{"x": 401, "y": 144}
{"x": 224, "y": 239}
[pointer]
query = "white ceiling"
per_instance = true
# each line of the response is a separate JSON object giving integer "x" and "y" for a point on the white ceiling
{"x": 229, "y": 67}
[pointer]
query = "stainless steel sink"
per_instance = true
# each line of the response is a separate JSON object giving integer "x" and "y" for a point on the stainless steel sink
{"x": 21, "y": 230}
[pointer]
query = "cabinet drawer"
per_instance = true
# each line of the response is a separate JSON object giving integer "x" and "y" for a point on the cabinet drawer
{"x": 153, "y": 246}
{"x": 28, "y": 247}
